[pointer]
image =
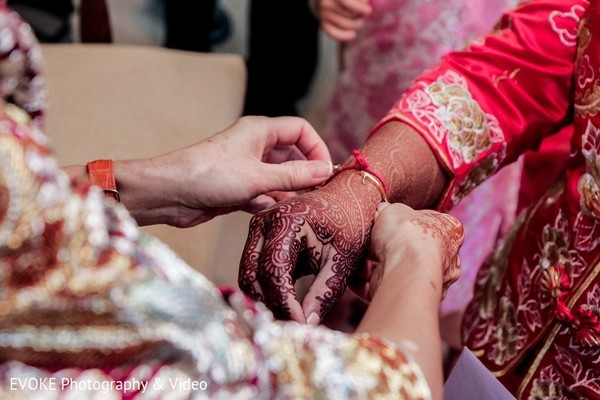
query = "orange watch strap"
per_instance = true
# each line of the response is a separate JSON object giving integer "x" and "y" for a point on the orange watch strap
{"x": 101, "y": 173}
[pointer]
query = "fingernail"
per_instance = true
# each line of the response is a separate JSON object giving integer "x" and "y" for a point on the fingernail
{"x": 313, "y": 319}
{"x": 380, "y": 208}
{"x": 322, "y": 169}
{"x": 382, "y": 205}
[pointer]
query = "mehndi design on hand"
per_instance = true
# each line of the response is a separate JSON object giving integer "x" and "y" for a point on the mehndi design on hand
{"x": 449, "y": 232}
{"x": 324, "y": 233}
{"x": 334, "y": 224}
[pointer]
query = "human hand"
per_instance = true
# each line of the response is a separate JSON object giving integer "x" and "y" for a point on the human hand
{"x": 407, "y": 238}
{"x": 324, "y": 233}
{"x": 249, "y": 166}
{"x": 341, "y": 19}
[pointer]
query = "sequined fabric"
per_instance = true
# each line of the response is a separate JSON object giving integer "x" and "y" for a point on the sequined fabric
{"x": 92, "y": 308}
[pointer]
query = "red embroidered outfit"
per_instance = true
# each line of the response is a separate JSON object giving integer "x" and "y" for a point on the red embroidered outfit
{"x": 535, "y": 317}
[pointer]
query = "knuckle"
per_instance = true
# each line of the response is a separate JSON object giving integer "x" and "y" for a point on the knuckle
{"x": 296, "y": 174}
{"x": 245, "y": 120}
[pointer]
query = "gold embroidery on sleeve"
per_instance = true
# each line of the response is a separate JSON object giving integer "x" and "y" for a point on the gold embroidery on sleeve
{"x": 505, "y": 76}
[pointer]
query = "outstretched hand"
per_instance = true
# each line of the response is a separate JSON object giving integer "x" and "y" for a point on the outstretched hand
{"x": 249, "y": 166}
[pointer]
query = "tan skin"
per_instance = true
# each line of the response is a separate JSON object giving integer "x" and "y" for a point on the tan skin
{"x": 415, "y": 258}
{"x": 328, "y": 229}
{"x": 326, "y": 232}
{"x": 410, "y": 274}
{"x": 248, "y": 166}
{"x": 403, "y": 276}
{"x": 341, "y": 19}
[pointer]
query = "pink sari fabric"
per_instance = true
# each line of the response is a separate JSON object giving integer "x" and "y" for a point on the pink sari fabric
{"x": 400, "y": 40}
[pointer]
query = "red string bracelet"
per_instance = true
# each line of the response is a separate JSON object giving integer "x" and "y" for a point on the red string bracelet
{"x": 361, "y": 164}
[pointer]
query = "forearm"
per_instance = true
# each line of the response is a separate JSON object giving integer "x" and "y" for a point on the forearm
{"x": 406, "y": 163}
{"x": 405, "y": 310}
{"x": 146, "y": 188}
{"x": 482, "y": 107}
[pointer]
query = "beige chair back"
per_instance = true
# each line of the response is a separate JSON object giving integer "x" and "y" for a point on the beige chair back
{"x": 114, "y": 101}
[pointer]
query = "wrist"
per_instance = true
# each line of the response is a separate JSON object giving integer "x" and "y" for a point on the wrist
{"x": 101, "y": 173}
{"x": 128, "y": 179}
{"x": 145, "y": 187}
{"x": 407, "y": 164}
{"x": 350, "y": 183}
{"x": 360, "y": 165}
{"x": 416, "y": 263}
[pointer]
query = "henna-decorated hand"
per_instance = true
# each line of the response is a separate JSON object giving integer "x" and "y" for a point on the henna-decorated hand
{"x": 406, "y": 238}
{"x": 324, "y": 232}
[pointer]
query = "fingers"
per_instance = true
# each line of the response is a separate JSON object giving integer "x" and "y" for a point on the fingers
{"x": 451, "y": 275}
{"x": 346, "y": 8}
{"x": 295, "y": 175}
{"x": 267, "y": 265}
{"x": 264, "y": 201}
{"x": 341, "y": 28}
{"x": 390, "y": 225}
{"x": 341, "y": 19}
{"x": 357, "y": 7}
{"x": 247, "y": 274}
{"x": 341, "y": 35}
{"x": 281, "y": 154}
{"x": 285, "y": 131}
{"x": 326, "y": 291}
{"x": 243, "y": 155}
{"x": 455, "y": 228}
{"x": 366, "y": 280}
{"x": 375, "y": 281}
{"x": 276, "y": 282}
{"x": 290, "y": 138}
{"x": 400, "y": 230}
{"x": 277, "y": 262}
{"x": 380, "y": 207}
{"x": 451, "y": 236}
{"x": 259, "y": 203}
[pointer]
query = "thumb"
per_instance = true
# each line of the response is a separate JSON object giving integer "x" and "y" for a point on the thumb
{"x": 259, "y": 203}
{"x": 295, "y": 175}
{"x": 380, "y": 207}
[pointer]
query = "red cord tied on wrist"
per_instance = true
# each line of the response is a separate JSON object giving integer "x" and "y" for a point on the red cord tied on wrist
{"x": 361, "y": 164}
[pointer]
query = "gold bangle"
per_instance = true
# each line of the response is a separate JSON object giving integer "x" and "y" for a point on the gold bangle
{"x": 367, "y": 176}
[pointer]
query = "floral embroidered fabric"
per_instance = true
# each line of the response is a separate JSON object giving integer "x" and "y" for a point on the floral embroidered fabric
{"x": 534, "y": 317}
{"x": 400, "y": 40}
